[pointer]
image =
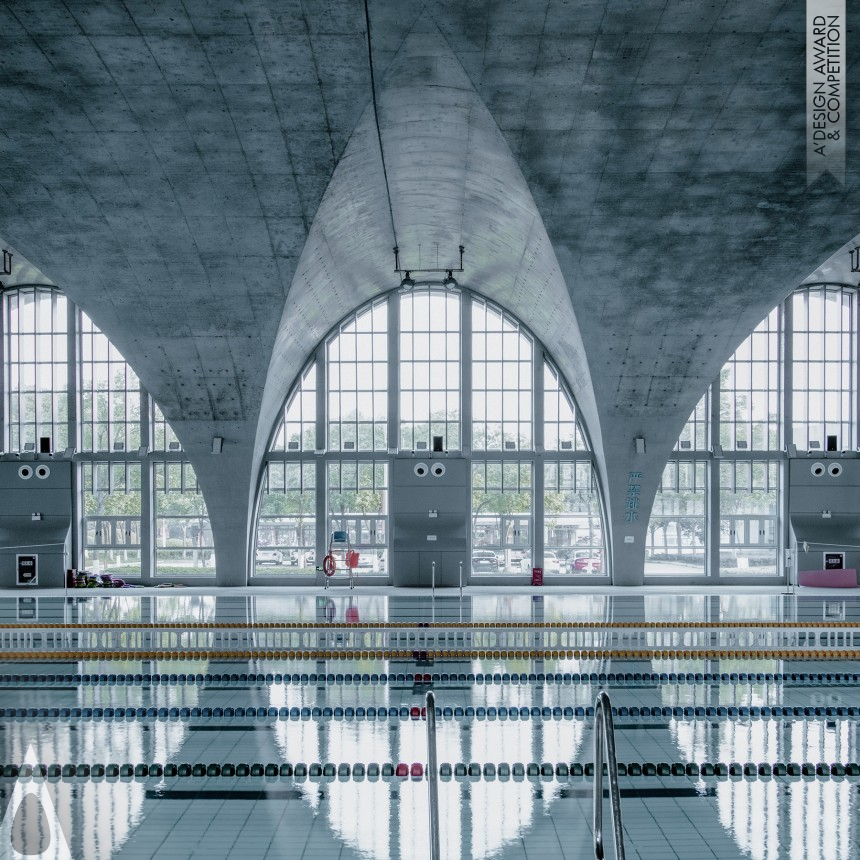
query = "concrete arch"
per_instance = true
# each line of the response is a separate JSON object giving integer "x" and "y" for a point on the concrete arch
{"x": 453, "y": 180}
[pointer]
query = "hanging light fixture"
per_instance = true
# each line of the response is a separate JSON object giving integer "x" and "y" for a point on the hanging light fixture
{"x": 407, "y": 282}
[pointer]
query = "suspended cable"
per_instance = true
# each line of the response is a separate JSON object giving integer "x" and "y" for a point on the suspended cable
{"x": 376, "y": 119}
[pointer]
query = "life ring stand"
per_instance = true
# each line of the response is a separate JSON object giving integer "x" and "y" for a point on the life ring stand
{"x": 329, "y": 565}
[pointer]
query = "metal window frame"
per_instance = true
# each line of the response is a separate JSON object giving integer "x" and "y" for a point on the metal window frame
{"x": 579, "y": 453}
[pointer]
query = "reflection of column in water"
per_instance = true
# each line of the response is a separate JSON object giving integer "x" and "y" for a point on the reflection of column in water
{"x": 499, "y": 811}
{"x": 358, "y": 811}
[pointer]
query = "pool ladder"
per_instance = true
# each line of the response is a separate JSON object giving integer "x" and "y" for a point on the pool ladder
{"x": 604, "y": 734}
{"x": 432, "y": 775}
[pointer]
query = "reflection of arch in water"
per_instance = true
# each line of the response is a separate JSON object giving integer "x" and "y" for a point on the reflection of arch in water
{"x": 31, "y": 827}
{"x": 372, "y": 818}
{"x": 98, "y": 817}
{"x": 820, "y": 814}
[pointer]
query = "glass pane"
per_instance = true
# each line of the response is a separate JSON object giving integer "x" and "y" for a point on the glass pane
{"x": 573, "y": 520}
{"x": 501, "y": 518}
{"x": 750, "y": 394}
{"x": 357, "y": 382}
{"x": 677, "y": 537}
{"x": 501, "y": 374}
{"x": 183, "y": 537}
{"x": 429, "y": 370}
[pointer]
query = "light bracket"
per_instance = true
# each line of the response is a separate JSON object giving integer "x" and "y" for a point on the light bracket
{"x": 408, "y": 282}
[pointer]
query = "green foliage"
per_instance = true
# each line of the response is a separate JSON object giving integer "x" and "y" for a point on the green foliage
{"x": 500, "y": 503}
{"x": 288, "y": 504}
{"x": 356, "y": 502}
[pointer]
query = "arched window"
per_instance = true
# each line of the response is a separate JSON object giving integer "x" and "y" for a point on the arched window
{"x": 790, "y": 386}
{"x": 421, "y": 374}
{"x": 138, "y": 513}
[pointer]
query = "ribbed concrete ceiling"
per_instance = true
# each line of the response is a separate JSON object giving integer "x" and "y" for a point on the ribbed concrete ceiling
{"x": 164, "y": 163}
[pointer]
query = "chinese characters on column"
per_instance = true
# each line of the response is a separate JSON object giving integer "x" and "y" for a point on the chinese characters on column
{"x": 631, "y": 503}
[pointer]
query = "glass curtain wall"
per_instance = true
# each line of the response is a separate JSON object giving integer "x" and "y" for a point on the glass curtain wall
{"x": 793, "y": 381}
{"x": 139, "y": 511}
{"x": 432, "y": 367}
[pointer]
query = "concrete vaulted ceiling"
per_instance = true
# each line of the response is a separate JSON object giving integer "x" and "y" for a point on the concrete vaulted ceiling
{"x": 165, "y": 163}
{"x": 453, "y": 180}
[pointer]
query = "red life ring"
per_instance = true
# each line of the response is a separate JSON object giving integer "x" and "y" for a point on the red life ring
{"x": 329, "y": 565}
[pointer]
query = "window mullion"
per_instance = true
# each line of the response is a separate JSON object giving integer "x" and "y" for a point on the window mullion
{"x": 393, "y": 372}
{"x": 466, "y": 373}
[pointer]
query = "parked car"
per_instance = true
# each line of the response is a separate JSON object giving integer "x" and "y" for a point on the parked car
{"x": 485, "y": 561}
{"x": 269, "y": 556}
{"x": 302, "y": 557}
{"x": 586, "y": 562}
{"x": 550, "y": 562}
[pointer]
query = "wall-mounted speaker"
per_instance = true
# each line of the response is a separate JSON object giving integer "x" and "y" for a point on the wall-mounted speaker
{"x": 832, "y": 443}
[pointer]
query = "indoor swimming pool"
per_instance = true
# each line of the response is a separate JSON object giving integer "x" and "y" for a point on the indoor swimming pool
{"x": 740, "y": 753}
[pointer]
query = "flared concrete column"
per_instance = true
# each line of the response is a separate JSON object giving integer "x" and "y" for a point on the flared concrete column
{"x": 630, "y": 484}
{"x": 225, "y": 481}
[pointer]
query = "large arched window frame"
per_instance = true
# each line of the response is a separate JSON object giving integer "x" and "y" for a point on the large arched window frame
{"x": 720, "y": 514}
{"x": 431, "y": 364}
{"x": 138, "y": 512}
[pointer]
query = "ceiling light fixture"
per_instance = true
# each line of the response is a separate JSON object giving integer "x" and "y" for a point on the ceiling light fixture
{"x": 407, "y": 282}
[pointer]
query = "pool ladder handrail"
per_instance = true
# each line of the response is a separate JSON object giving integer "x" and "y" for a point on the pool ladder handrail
{"x": 432, "y": 775}
{"x": 604, "y": 732}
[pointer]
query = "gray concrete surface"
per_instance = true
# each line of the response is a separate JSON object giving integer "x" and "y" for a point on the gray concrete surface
{"x": 203, "y": 179}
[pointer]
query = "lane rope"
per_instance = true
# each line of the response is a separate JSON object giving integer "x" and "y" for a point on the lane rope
{"x": 417, "y": 771}
{"x": 447, "y": 713}
{"x": 226, "y": 680}
{"x": 429, "y": 655}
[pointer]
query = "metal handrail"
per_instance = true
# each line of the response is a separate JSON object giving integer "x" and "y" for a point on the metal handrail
{"x": 432, "y": 776}
{"x": 604, "y": 731}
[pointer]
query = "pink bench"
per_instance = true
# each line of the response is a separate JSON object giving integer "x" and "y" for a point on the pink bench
{"x": 842, "y": 578}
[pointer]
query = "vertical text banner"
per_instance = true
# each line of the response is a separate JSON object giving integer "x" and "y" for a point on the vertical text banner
{"x": 825, "y": 89}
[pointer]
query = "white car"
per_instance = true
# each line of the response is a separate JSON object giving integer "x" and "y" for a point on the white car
{"x": 269, "y": 556}
{"x": 550, "y": 562}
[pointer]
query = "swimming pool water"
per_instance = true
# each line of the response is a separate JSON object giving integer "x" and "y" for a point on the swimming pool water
{"x": 299, "y": 759}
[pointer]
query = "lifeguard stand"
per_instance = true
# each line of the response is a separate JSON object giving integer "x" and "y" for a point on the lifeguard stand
{"x": 341, "y": 556}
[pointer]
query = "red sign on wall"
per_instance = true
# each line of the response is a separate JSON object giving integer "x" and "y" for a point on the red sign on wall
{"x": 537, "y": 576}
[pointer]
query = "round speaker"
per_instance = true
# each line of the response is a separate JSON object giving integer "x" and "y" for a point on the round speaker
{"x": 834, "y": 470}
{"x": 438, "y": 469}
{"x": 25, "y": 472}
{"x": 42, "y": 472}
{"x": 420, "y": 470}
{"x": 817, "y": 469}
